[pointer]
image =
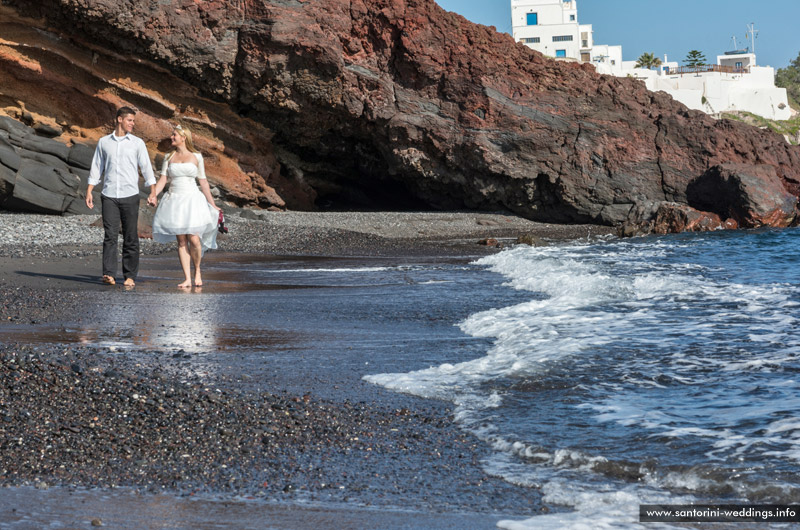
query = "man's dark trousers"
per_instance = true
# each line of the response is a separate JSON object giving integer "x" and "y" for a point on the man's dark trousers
{"x": 125, "y": 211}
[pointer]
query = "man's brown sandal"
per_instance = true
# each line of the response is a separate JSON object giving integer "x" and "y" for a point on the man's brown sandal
{"x": 109, "y": 280}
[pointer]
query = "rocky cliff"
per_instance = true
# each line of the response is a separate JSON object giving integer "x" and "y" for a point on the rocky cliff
{"x": 392, "y": 103}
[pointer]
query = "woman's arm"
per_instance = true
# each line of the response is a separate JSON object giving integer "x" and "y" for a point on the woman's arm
{"x": 160, "y": 184}
{"x": 162, "y": 180}
{"x": 204, "y": 187}
{"x": 201, "y": 177}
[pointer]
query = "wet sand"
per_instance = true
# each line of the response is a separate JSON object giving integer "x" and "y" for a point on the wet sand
{"x": 129, "y": 510}
{"x": 381, "y": 450}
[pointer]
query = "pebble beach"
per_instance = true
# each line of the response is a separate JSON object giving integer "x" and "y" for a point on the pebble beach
{"x": 298, "y": 233}
{"x": 91, "y": 417}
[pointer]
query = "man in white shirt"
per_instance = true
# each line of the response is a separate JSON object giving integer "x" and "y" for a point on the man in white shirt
{"x": 118, "y": 159}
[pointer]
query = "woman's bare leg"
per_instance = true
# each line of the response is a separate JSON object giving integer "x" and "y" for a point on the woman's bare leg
{"x": 185, "y": 259}
{"x": 196, "y": 250}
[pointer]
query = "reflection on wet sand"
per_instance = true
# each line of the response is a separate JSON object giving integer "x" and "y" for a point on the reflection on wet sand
{"x": 156, "y": 316}
{"x": 219, "y": 339}
{"x": 255, "y": 317}
{"x": 126, "y": 510}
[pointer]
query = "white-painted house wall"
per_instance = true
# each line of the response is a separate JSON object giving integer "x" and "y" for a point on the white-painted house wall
{"x": 556, "y": 20}
{"x": 752, "y": 90}
{"x": 608, "y": 59}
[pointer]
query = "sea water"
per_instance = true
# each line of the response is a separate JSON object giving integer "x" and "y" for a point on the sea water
{"x": 638, "y": 371}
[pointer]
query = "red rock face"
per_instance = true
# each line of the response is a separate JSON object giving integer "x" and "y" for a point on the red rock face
{"x": 385, "y": 101}
{"x": 74, "y": 88}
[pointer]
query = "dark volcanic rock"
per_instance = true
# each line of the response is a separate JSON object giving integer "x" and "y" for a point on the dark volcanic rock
{"x": 41, "y": 145}
{"x": 7, "y": 179}
{"x": 673, "y": 217}
{"x": 752, "y": 195}
{"x": 390, "y": 102}
{"x": 49, "y": 131}
{"x": 14, "y": 127}
{"x": 50, "y": 178}
{"x": 9, "y": 157}
{"x": 41, "y": 183}
{"x": 27, "y": 196}
{"x": 44, "y": 158}
{"x": 80, "y": 156}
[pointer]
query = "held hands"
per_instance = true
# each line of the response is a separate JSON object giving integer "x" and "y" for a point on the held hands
{"x": 152, "y": 200}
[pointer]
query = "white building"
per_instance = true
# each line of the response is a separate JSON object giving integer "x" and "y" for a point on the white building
{"x": 551, "y": 27}
{"x": 608, "y": 59}
{"x": 735, "y": 83}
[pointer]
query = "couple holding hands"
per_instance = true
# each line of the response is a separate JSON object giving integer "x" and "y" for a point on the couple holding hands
{"x": 186, "y": 212}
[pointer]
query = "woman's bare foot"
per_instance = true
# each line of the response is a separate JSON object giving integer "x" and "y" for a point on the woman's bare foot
{"x": 185, "y": 284}
{"x": 198, "y": 280}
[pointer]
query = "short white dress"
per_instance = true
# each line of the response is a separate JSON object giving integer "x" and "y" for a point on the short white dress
{"x": 184, "y": 209}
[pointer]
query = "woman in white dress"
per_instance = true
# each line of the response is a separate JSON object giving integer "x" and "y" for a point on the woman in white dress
{"x": 185, "y": 212}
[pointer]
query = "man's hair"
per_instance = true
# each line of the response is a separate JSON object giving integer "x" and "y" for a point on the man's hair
{"x": 124, "y": 111}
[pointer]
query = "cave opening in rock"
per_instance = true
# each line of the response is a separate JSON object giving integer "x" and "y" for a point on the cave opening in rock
{"x": 381, "y": 195}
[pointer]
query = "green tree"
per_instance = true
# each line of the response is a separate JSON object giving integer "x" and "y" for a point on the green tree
{"x": 789, "y": 78}
{"x": 694, "y": 59}
{"x": 648, "y": 60}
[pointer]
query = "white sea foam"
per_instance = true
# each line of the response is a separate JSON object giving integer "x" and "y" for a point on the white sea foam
{"x": 332, "y": 270}
{"x": 597, "y": 506}
{"x": 686, "y": 325}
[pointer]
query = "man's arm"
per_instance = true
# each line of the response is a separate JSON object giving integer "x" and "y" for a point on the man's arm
{"x": 145, "y": 166}
{"x": 89, "y": 198}
{"x": 96, "y": 170}
{"x": 147, "y": 172}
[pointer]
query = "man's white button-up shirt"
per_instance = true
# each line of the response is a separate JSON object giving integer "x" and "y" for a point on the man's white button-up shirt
{"x": 118, "y": 159}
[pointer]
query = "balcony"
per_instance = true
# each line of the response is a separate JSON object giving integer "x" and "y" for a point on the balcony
{"x": 683, "y": 70}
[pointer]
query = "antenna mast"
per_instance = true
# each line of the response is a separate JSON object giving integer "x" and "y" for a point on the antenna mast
{"x": 752, "y": 34}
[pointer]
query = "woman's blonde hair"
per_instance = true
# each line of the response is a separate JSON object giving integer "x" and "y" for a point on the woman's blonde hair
{"x": 187, "y": 134}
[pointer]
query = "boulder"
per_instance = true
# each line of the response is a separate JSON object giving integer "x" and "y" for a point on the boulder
{"x": 47, "y": 130}
{"x": 41, "y": 145}
{"x": 83, "y": 175}
{"x": 251, "y": 214}
{"x": 80, "y": 156}
{"x": 7, "y": 179}
{"x": 30, "y": 197}
{"x": 751, "y": 195}
{"x": 9, "y": 157}
{"x": 531, "y": 240}
{"x": 674, "y": 217}
{"x": 43, "y": 158}
{"x": 52, "y": 179}
{"x": 12, "y": 126}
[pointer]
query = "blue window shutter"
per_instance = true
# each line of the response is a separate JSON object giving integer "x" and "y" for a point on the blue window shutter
{"x": 533, "y": 19}
{"x": 561, "y": 53}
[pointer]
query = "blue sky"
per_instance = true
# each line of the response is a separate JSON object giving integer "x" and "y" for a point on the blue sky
{"x": 673, "y": 27}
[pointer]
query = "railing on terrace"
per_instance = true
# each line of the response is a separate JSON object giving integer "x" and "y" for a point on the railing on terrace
{"x": 681, "y": 70}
